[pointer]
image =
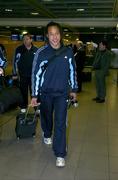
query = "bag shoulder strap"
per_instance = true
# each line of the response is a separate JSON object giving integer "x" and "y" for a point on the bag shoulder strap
{"x": 52, "y": 58}
{"x": 57, "y": 53}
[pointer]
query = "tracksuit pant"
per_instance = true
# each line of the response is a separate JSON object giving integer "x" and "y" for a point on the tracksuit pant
{"x": 54, "y": 106}
{"x": 1, "y": 82}
{"x": 79, "y": 79}
{"x": 25, "y": 87}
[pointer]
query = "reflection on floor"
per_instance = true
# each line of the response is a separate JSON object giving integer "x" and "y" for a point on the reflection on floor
{"x": 92, "y": 136}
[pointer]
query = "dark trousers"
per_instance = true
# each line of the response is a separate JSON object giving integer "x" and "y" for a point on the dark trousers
{"x": 100, "y": 84}
{"x": 1, "y": 82}
{"x": 79, "y": 79}
{"x": 54, "y": 106}
{"x": 25, "y": 87}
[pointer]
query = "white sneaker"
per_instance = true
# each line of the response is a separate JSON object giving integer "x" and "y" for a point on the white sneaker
{"x": 47, "y": 141}
{"x": 60, "y": 162}
{"x": 23, "y": 110}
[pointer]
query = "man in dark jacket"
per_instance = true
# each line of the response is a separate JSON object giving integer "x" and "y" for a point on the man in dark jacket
{"x": 53, "y": 79}
{"x": 22, "y": 67}
{"x": 101, "y": 66}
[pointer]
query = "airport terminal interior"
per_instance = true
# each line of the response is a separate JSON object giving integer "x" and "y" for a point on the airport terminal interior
{"x": 92, "y": 128}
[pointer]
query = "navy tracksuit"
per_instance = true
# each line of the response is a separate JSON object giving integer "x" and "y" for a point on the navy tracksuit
{"x": 53, "y": 85}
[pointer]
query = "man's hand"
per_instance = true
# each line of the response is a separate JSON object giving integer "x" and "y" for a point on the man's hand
{"x": 34, "y": 102}
{"x": 73, "y": 96}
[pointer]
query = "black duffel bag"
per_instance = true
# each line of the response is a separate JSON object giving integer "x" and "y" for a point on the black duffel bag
{"x": 10, "y": 94}
{"x": 10, "y": 97}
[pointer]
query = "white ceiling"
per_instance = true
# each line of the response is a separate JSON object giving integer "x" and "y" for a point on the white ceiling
{"x": 70, "y": 13}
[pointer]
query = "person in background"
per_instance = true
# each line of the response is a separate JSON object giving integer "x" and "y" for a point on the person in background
{"x": 74, "y": 48}
{"x": 52, "y": 85}
{"x": 101, "y": 66}
{"x": 3, "y": 63}
{"x": 22, "y": 67}
{"x": 80, "y": 57}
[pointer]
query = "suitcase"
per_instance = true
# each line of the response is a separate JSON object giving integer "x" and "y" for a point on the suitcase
{"x": 10, "y": 94}
{"x": 26, "y": 125}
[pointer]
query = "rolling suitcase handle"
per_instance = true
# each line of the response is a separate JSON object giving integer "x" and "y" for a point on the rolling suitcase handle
{"x": 35, "y": 114}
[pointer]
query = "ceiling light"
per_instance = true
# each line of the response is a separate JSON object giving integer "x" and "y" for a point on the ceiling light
{"x": 80, "y": 9}
{"x": 8, "y": 10}
{"x": 39, "y": 27}
{"x": 17, "y": 29}
{"x": 7, "y": 27}
{"x": 91, "y": 27}
{"x": 47, "y": 0}
{"x": 24, "y": 32}
{"x": 65, "y": 30}
{"x": 34, "y": 13}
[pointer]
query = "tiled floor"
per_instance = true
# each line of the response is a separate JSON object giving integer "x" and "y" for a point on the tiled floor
{"x": 92, "y": 136}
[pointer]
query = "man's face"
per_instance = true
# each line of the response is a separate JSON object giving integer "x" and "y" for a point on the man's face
{"x": 102, "y": 47}
{"x": 27, "y": 41}
{"x": 54, "y": 36}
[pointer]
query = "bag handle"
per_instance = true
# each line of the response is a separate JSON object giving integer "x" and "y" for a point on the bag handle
{"x": 29, "y": 106}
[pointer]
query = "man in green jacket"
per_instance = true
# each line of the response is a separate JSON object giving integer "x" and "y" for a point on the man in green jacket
{"x": 101, "y": 66}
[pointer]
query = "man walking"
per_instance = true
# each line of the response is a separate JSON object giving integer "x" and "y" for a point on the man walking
{"x": 53, "y": 76}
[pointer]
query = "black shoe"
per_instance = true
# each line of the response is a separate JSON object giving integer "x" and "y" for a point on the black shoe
{"x": 100, "y": 101}
{"x": 96, "y": 99}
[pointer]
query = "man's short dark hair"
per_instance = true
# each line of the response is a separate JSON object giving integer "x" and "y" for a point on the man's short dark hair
{"x": 105, "y": 43}
{"x": 27, "y": 34}
{"x": 54, "y": 24}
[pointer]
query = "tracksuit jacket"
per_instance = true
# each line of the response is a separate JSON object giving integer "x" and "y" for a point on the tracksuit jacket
{"x": 3, "y": 60}
{"x": 22, "y": 62}
{"x": 22, "y": 66}
{"x": 58, "y": 77}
